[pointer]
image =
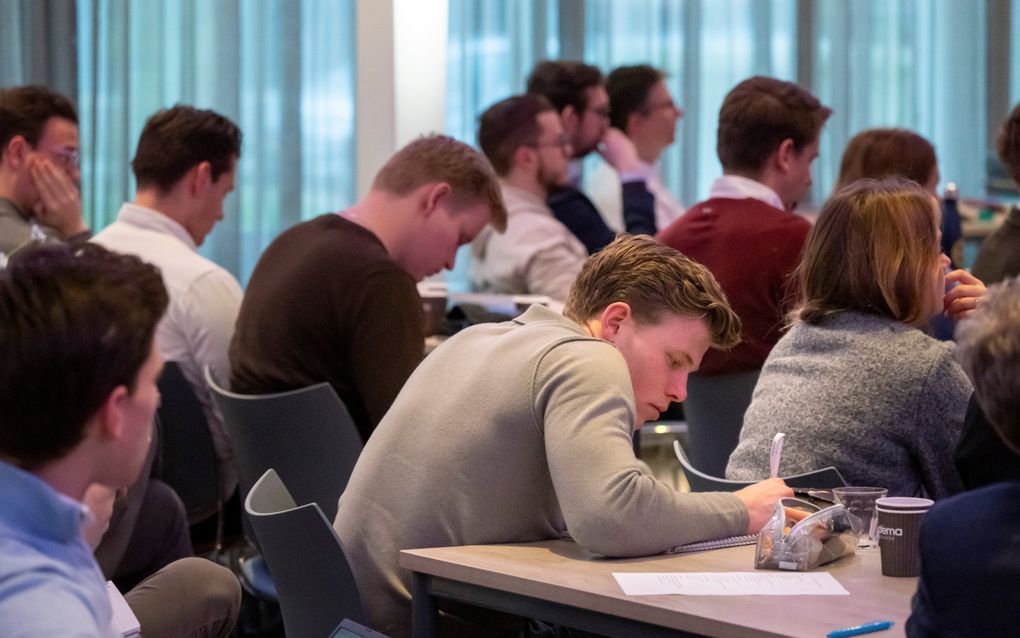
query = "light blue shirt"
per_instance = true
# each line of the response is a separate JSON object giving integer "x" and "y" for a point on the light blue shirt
{"x": 50, "y": 584}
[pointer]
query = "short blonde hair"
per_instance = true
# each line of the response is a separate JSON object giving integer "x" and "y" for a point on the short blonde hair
{"x": 439, "y": 158}
{"x": 988, "y": 348}
{"x": 872, "y": 250}
{"x": 654, "y": 280}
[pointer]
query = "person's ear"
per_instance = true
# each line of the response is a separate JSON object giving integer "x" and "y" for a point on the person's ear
{"x": 435, "y": 196}
{"x": 613, "y": 319}
{"x": 15, "y": 155}
{"x": 199, "y": 178}
{"x": 785, "y": 155}
{"x": 570, "y": 119}
{"x": 524, "y": 157}
{"x": 111, "y": 417}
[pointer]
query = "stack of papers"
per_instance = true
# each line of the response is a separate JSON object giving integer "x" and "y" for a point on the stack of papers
{"x": 124, "y": 621}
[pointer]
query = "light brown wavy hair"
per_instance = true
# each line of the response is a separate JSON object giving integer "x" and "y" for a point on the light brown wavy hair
{"x": 654, "y": 280}
{"x": 872, "y": 250}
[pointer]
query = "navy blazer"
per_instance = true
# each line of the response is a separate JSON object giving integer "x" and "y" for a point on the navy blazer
{"x": 970, "y": 566}
{"x": 579, "y": 214}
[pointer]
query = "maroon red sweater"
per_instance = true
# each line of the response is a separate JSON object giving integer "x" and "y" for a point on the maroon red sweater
{"x": 752, "y": 249}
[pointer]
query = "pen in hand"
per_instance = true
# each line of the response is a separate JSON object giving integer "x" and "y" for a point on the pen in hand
{"x": 866, "y": 628}
{"x": 776, "y": 454}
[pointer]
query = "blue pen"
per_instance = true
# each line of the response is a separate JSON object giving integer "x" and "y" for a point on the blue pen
{"x": 866, "y": 628}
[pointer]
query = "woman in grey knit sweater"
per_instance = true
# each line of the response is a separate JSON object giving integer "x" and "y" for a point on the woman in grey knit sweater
{"x": 856, "y": 383}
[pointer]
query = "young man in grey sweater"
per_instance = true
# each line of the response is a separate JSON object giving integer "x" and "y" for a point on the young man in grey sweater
{"x": 521, "y": 431}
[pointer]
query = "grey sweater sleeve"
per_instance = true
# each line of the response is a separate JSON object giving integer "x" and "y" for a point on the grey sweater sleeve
{"x": 609, "y": 506}
{"x": 941, "y": 407}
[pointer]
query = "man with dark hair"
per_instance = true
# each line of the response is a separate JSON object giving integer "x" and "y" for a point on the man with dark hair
{"x": 578, "y": 93}
{"x": 999, "y": 256}
{"x": 39, "y": 171}
{"x": 184, "y": 167}
{"x": 639, "y": 105}
{"x": 747, "y": 234}
{"x": 524, "y": 140}
{"x": 334, "y": 298}
{"x": 970, "y": 563}
{"x": 521, "y": 431}
{"x": 81, "y": 322}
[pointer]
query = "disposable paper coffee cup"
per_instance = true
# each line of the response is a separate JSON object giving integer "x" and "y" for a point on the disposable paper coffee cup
{"x": 904, "y": 503}
{"x": 899, "y": 534}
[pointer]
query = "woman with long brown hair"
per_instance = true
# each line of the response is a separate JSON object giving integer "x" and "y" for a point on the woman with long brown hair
{"x": 856, "y": 382}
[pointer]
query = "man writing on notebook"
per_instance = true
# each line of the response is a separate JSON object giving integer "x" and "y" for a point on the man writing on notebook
{"x": 521, "y": 431}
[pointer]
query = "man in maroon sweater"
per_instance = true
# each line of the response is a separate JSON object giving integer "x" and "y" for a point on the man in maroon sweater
{"x": 748, "y": 236}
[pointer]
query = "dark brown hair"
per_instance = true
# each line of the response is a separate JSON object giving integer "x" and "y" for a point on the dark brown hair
{"x": 628, "y": 88}
{"x": 176, "y": 139}
{"x": 563, "y": 83}
{"x": 77, "y": 323}
{"x": 1008, "y": 144}
{"x": 654, "y": 280}
{"x": 508, "y": 125}
{"x": 758, "y": 115}
{"x": 24, "y": 111}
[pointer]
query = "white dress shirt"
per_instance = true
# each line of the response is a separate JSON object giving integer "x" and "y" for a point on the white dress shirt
{"x": 536, "y": 254}
{"x": 604, "y": 188}
{"x": 204, "y": 302}
{"x": 737, "y": 187}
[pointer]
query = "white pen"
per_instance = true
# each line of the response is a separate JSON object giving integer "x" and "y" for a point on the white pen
{"x": 776, "y": 454}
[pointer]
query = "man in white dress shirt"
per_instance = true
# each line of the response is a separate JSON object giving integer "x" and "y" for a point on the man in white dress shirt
{"x": 184, "y": 167}
{"x": 639, "y": 105}
{"x": 524, "y": 140}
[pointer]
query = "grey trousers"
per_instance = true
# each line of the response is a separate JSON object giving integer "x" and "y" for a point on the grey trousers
{"x": 714, "y": 410}
{"x": 191, "y": 597}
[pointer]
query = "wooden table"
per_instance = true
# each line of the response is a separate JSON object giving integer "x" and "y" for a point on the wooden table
{"x": 559, "y": 582}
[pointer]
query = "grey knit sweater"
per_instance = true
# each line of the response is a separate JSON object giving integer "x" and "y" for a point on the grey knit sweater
{"x": 881, "y": 401}
{"x": 511, "y": 432}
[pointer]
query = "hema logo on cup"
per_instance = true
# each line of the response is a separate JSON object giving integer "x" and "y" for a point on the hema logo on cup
{"x": 890, "y": 531}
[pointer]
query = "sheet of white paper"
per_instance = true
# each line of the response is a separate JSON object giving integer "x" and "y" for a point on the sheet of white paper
{"x": 730, "y": 584}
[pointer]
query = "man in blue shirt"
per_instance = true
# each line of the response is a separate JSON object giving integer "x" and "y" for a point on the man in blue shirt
{"x": 78, "y": 394}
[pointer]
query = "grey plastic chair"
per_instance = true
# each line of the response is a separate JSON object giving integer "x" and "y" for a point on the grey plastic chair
{"x": 187, "y": 458}
{"x": 823, "y": 479}
{"x": 306, "y": 435}
{"x": 313, "y": 579}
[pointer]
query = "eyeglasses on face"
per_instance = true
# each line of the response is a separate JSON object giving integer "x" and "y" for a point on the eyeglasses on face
{"x": 66, "y": 157}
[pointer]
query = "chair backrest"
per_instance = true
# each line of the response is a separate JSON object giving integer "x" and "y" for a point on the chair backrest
{"x": 186, "y": 458}
{"x": 825, "y": 478}
{"x": 313, "y": 579}
{"x": 306, "y": 435}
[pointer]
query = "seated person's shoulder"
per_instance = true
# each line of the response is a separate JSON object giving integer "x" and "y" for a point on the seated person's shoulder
{"x": 38, "y": 597}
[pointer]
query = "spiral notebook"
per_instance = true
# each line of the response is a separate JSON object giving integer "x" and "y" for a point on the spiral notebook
{"x": 719, "y": 543}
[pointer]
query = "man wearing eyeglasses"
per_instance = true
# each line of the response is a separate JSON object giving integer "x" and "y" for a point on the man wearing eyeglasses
{"x": 578, "y": 92}
{"x": 39, "y": 199}
{"x": 641, "y": 107}
{"x": 524, "y": 140}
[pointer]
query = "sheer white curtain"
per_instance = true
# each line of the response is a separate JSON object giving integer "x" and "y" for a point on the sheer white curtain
{"x": 493, "y": 45}
{"x": 917, "y": 64}
{"x": 284, "y": 71}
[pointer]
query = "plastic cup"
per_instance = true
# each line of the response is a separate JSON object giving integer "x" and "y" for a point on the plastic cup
{"x": 860, "y": 501}
{"x": 899, "y": 533}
